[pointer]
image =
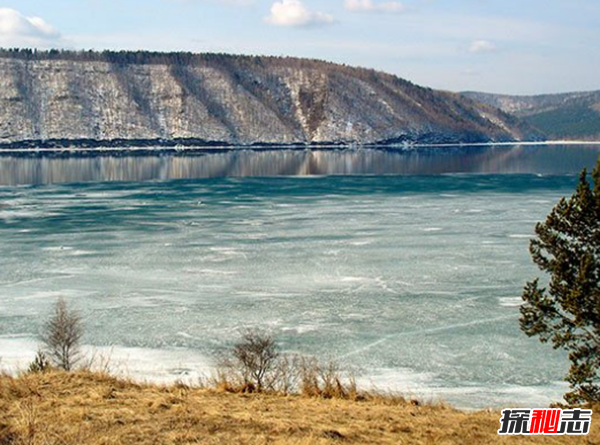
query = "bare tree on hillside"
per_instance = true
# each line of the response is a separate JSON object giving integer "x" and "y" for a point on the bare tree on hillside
{"x": 256, "y": 355}
{"x": 62, "y": 335}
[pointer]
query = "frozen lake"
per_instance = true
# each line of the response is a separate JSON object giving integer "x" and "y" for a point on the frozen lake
{"x": 410, "y": 276}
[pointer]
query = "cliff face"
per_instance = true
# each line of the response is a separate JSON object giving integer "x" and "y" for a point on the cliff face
{"x": 228, "y": 99}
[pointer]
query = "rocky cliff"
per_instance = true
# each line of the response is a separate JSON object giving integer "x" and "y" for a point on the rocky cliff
{"x": 139, "y": 98}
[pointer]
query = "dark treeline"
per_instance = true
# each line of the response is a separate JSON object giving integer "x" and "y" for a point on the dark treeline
{"x": 186, "y": 58}
{"x": 145, "y": 57}
{"x": 118, "y": 57}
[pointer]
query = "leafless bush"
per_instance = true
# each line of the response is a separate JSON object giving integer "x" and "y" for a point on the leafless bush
{"x": 254, "y": 359}
{"x": 325, "y": 380}
{"x": 62, "y": 335}
{"x": 98, "y": 361}
{"x": 286, "y": 378}
{"x": 256, "y": 365}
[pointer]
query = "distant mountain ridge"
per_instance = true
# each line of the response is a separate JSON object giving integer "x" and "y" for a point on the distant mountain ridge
{"x": 63, "y": 98}
{"x": 558, "y": 116}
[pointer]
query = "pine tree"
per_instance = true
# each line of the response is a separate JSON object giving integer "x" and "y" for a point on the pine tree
{"x": 567, "y": 311}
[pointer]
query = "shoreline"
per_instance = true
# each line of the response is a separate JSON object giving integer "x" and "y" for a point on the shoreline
{"x": 171, "y": 366}
{"x": 224, "y": 148}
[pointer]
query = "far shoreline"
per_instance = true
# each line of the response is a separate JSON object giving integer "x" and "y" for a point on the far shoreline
{"x": 109, "y": 149}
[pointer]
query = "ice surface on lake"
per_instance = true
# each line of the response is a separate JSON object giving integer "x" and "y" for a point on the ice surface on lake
{"x": 412, "y": 281}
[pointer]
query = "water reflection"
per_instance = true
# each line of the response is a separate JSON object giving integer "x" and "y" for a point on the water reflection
{"x": 47, "y": 169}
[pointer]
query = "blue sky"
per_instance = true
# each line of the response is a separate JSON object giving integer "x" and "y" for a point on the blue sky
{"x": 509, "y": 46}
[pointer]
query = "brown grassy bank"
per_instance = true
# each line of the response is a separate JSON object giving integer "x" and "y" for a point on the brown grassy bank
{"x": 88, "y": 408}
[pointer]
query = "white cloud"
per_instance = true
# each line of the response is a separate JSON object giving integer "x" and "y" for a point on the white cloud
{"x": 224, "y": 2}
{"x": 370, "y": 6}
{"x": 294, "y": 13}
{"x": 17, "y": 30}
{"x": 482, "y": 46}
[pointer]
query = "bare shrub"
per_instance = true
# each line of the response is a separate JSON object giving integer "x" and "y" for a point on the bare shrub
{"x": 255, "y": 357}
{"x": 62, "y": 335}
{"x": 98, "y": 361}
{"x": 309, "y": 377}
{"x": 328, "y": 381}
{"x": 256, "y": 365}
{"x": 287, "y": 374}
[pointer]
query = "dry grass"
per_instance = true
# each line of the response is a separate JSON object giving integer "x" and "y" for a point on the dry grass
{"x": 91, "y": 408}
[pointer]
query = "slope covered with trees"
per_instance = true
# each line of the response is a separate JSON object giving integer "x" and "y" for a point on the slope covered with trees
{"x": 148, "y": 98}
{"x": 558, "y": 116}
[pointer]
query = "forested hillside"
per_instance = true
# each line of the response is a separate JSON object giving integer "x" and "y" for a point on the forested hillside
{"x": 63, "y": 98}
{"x": 558, "y": 116}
